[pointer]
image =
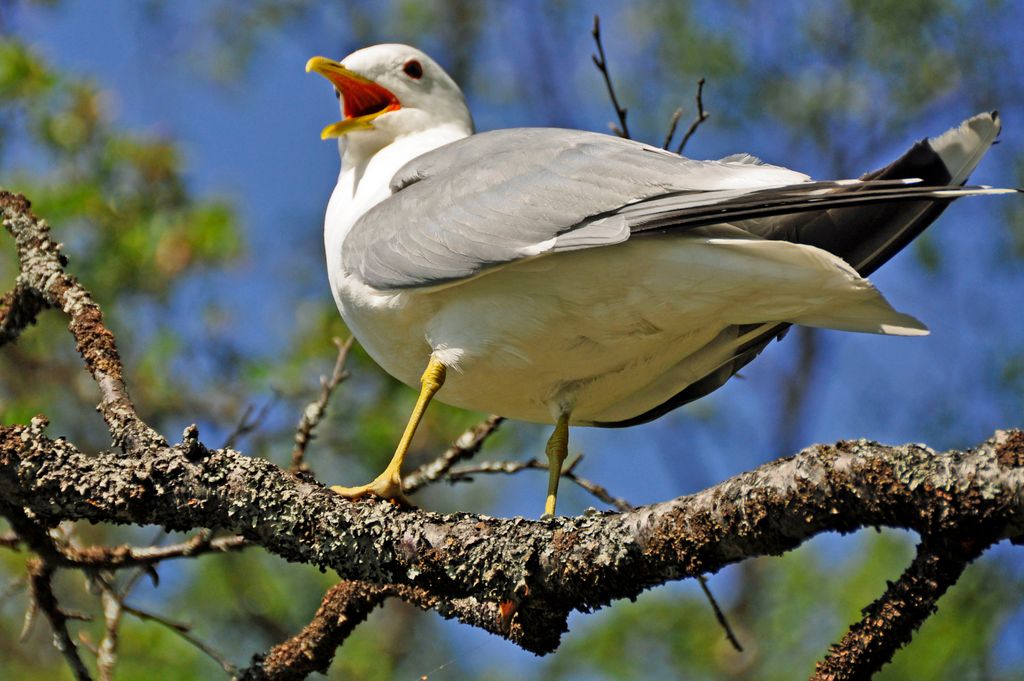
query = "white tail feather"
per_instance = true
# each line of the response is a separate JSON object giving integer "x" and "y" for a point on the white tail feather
{"x": 962, "y": 147}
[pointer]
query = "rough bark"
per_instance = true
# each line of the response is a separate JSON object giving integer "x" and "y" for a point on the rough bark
{"x": 549, "y": 567}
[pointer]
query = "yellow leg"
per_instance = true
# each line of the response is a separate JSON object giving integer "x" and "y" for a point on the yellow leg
{"x": 557, "y": 449}
{"x": 389, "y": 483}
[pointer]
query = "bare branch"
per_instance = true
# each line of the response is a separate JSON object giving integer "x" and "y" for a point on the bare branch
{"x": 106, "y": 652}
{"x": 701, "y": 116}
{"x": 185, "y": 632}
{"x": 622, "y": 130}
{"x": 465, "y": 447}
{"x": 465, "y": 473}
{"x": 596, "y": 490}
{"x": 720, "y": 617}
{"x": 124, "y": 556}
{"x": 673, "y": 122}
{"x": 314, "y": 411}
{"x": 251, "y": 420}
{"x": 115, "y": 557}
{"x": 43, "y": 598}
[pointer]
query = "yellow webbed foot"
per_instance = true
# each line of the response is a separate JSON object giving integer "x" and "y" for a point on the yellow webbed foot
{"x": 387, "y": 485}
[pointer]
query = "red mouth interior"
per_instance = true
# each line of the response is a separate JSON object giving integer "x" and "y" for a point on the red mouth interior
{"x": 362, "y": 99}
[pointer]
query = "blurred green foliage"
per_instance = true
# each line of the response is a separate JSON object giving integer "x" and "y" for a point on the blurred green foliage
{"x": 118, "y": 201}
{"x": 860, "y": 71}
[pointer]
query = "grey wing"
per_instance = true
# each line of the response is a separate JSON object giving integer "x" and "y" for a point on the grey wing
{"x": 501, "y": 196}
{"x": 506, "y": 195}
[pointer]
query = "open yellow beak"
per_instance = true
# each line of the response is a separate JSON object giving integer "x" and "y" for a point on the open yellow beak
{"x": 363, "y": 99}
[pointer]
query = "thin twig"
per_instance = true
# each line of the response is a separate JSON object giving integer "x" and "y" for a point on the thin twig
{"x": 124, "y": 556}
{"x": 622, "y": 130}
{"x": 719, "y": 614}
{"x": 465, "y": 473}
{"x": 676, "y": 115}
{"x": 184, "y": 631}
{"x": 314, "y": 411}
{"x": 465, "y": 447}
{"x": 44, "y": 599}
{"x": 106, "y": 652}
{"x": 701, "y": 116}
{"x": 250, "y": 421}
{"x": 593, "y": 488}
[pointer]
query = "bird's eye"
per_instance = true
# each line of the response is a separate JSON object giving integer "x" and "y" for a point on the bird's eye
{"x": 413, "y": 69}
{"x": 337, "y": 93}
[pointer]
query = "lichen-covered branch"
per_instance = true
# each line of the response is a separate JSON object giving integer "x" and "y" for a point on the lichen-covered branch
{"x": 889, "y": 622}
{"x": 345, "y": 606}
{"x": 42, "y": 273}
{"x": 547, "y": 567}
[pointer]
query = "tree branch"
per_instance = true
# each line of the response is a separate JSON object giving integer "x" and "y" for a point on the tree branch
{"x": 42, "y": 596}
{"x": 672, "y": 124}
{"x": 124, "y": 556}
{"x": 42, "y": 272}
{"x": 314, "y": 411}
{"x": 889, "y": 622}
{"x": 548, "y": 567}
{"x": 345, "y": 606}
{"x": 465, "y": 447}
{"x": 699, "y": 118}
{"x": 622, "y": 130}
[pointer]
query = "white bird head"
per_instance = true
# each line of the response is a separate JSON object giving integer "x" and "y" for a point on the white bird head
{"x": 391, "y": 90}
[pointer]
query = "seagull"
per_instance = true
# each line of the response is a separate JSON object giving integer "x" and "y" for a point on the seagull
{"x": 574, "y": 278}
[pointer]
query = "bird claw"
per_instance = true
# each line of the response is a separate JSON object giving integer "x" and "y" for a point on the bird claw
{"x": 384, "y": 486}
